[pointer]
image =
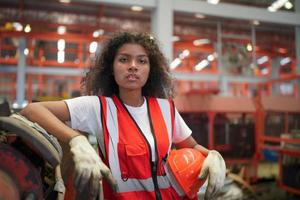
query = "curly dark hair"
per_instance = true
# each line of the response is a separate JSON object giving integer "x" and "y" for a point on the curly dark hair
{"x": 99, "y": 80}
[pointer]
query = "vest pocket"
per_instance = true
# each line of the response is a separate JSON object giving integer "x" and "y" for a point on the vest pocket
{"x": 134, "y": 161}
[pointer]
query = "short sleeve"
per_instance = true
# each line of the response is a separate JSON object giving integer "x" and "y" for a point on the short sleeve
{"x": 181, "y": 130}
{"x": 85, "y": 114}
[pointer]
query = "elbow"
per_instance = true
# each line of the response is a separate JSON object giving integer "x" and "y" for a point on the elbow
{"x": 29, "y": 109}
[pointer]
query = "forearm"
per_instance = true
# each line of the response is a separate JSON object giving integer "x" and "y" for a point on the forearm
{"x": 190, "y": 142}
{"x": 37, "y": 112}
{"x": 202, "y": 149}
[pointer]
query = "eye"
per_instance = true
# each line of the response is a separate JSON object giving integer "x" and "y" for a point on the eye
{"x": 123, "y": 59}
{"x": 143, "y": 60}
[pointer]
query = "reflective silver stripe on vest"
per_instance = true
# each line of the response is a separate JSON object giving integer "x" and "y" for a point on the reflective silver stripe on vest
{"x": 142, "y": 184}
{"x": 112, "y": 126}
{"x": 166, "y": 112}
{"x": 113, "y": 138}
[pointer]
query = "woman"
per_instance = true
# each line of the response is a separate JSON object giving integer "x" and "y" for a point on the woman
{"x": 134, "y": 120}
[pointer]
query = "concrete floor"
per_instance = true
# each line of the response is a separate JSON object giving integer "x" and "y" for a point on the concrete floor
{"x": 270, "y": 191}
{"x": 262, "y": 190}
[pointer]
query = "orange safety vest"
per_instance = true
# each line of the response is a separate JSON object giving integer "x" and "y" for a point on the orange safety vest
{"x": 128, "y": 154}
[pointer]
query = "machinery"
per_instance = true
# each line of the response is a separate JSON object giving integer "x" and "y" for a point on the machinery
{"x": 29, "y": 161}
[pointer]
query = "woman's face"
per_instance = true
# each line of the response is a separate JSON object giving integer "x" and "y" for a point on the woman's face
{"x": 131, "y": 67}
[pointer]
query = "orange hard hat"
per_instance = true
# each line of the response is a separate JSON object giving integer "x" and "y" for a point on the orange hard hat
{"x": 183, "y": 166}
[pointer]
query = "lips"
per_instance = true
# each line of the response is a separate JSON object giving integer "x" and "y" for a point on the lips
{"x": 132, "y": 77}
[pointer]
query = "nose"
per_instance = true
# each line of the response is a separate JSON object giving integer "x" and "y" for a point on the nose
{"x": 133, "y": 66}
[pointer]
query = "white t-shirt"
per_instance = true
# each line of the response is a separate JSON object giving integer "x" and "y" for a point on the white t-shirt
{"x": 85, "y": 116}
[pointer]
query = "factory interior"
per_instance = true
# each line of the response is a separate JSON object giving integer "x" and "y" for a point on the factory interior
{"x": 235, "y": 65}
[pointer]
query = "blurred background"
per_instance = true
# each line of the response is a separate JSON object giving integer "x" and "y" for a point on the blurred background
{"x": 235, "y": 64}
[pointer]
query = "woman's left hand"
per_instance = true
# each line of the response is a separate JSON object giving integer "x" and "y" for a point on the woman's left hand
{"x": 213, "y": 166}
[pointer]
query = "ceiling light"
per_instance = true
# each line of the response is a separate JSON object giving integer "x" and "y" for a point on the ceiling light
{"x": 26, "y": 51}
{"x": 288, "y": 5}
{"x": 213, "y": 1}
{"x": 255, "y": 22}
{"x": 60, "y": 56}
{"x": 199, "y": 16}
{"x": 17, "y": 26}
{"x": 27, "y": 28}
{"x": 61, "y": 30}
{"x": 64, "y": 1}
{"x": 184, "y": 54}
{"x": 276, "y": 5}
{"x": 98, "y": 33}
{"x": 93, "y": 47}
{"x": 210, "y": 57}
{"x": 199, "y": 42}
{"x": 201, "y": 65}
{"x": 61, "y": 44}
{"x": 285, "y": 61}
{"x": 136, "y": 8}
{"x": 249, "y": 47}
{"x": 175, "y": 63}
{"x": 262, "y": 60}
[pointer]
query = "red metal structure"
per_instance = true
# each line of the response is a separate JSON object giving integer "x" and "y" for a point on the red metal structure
{"x": 225, "y": 124}
{"x": 278, "y": 121}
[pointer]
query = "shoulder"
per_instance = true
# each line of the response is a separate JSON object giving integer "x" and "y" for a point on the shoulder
{"x": 105, "y": 99}
{"x": 83, "y": 100}
{"x": 160, "y": 99}
{"x": 163, "y": 101}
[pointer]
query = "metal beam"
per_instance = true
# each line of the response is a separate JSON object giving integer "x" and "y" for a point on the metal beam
{"x": 162, "y": 26}
{"x": 176, "y": 75}
{"x": 216, "y": 77}
{"x": 245, "y": 79}
{"x": 46, "y": 70}
{"x": 228, "y": 10}
{"x": 55, "y": 71}
{"x": 21, "y": 73}
{"x": 143, "y": 3}
{"x": 194, "y": 77}
{"x": 297, "y": 46}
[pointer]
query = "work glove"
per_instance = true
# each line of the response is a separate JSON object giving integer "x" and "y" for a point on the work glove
{"x": 213, "y": 166}
{"x": 89, "y": 168}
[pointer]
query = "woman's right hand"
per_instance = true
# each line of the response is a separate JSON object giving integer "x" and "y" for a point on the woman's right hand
{"x": 89, "y": 168}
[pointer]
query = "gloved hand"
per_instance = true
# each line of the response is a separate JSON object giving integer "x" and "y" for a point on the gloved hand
{"x": 89, "y": 168}
{"x": 214, "y": 167}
